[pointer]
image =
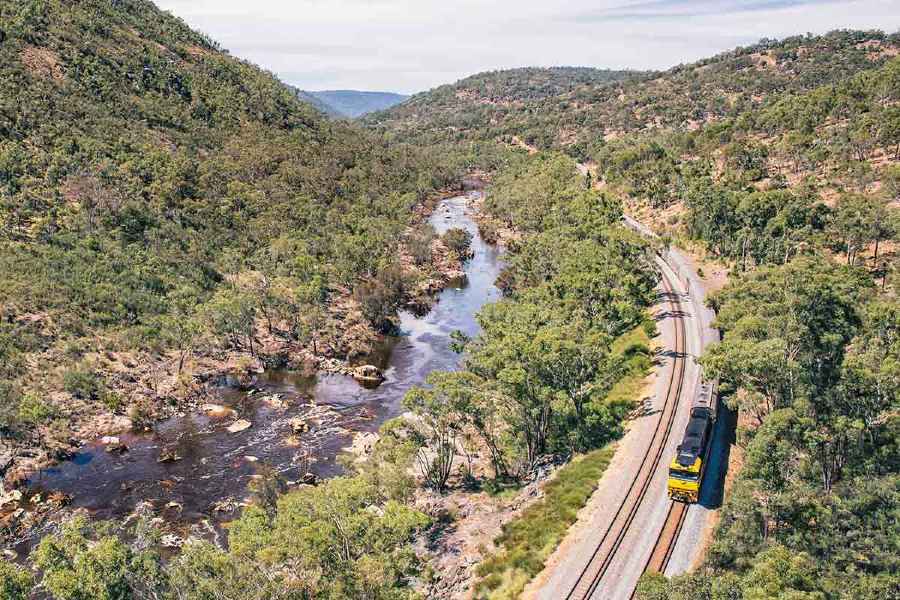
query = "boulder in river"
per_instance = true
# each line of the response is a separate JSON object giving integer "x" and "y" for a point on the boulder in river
{"x": 117, "y": 448}
{"x": 368, "y": 373}
{"x": 12, "y": 497}
{"x": 239, "y": 425}
{"x": 229, "y": 505}
{"x": 168, "y": 455}
{"x": 170, "y": 540}
{"x": 362, "y": 446}
{"x": 217, "y": 411}
{"x": 275, "y": 401}
{"x": 298, "y": 425}
{"x": 310, "y": 479}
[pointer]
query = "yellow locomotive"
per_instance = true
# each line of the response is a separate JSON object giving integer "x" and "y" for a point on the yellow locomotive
{"x": 691, "y": 457}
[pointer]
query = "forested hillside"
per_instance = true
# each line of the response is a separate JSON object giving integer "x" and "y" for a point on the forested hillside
{"x": 572, "y": 109}
{"x": 489, "y": 104}
{"x": 810, "y": 360}
{"x": 167, "y": 210}
{"x": 565, "y": 305}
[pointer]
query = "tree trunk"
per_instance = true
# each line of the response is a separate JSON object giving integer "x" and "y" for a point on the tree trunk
{"x": 744, "y": 257}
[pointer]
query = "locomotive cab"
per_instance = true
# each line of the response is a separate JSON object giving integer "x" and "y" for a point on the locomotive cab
{"x": 684, "y": 480}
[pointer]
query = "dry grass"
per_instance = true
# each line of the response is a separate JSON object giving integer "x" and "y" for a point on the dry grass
{"x": 527, "y": 541}
{"x": 42, "y": 62}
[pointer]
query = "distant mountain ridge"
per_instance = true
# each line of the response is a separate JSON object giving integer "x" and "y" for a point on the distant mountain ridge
{"x": 353, "y": 103}
{"x": 318, "y": 104}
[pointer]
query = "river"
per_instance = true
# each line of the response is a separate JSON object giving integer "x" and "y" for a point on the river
{"x": 215, "y": 466}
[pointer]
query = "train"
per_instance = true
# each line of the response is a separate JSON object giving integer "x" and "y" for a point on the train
{"x": 692, "y": 455}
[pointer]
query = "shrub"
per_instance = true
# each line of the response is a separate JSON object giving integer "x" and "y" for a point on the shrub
{"x": 890, "y": 179}
{"x": 635, "y": 349}
{"x": 82, "y": 383}
{"x": 34, "y": 410}
{"x": 419, "y": 244}
{"x": 10, "y": 397}
{"x": 15, "y": 582}
{"x": 113, "y": 401}
{"x": 488, "y": 232}
{"x": 649, "y": 327}
{"x": 82, "y": 561}
{"x": 458, "y": 240}
{"x": 142, "y": 414}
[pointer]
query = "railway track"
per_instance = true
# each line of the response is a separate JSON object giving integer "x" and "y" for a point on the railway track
{"x": 668, "y": 536}
{"x": 591, "y": 576}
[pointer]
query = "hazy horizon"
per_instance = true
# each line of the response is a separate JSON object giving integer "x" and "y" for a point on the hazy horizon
{"x": 406, "y": 47}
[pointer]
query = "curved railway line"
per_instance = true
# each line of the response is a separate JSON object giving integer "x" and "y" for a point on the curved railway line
{"x": 593, "y": 573}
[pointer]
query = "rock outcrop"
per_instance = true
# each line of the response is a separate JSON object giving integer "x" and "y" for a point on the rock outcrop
{"x": 368, "y": 373}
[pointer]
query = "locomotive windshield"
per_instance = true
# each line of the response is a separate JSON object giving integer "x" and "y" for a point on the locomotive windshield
{"x": 686, "y": 475}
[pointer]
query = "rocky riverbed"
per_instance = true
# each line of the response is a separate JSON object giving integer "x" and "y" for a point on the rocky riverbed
{"x": 193, "y": 469}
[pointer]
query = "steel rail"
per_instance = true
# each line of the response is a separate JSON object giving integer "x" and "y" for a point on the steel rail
{"x": 668, "y": 536}
{"x": 592, "y": 574}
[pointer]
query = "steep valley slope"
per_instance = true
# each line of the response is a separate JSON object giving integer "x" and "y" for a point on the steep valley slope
{"x": 169, "y": 213}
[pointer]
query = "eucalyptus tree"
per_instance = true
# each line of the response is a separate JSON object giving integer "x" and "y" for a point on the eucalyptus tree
{"x": 786, "y": 329}
{"x": 860, "y": 220}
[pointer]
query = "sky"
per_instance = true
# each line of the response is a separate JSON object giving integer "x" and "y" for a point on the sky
{"x": 414, "y": 45}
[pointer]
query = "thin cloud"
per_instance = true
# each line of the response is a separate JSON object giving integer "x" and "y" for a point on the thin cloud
{"x": 412, "y": 45}
{"x": 674, "y": 10}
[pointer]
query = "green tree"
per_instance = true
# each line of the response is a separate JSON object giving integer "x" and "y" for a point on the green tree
{"x": 231, "y": 314}
{"x": 419, "y": 243}
{"x": 856, "y": 223}
{"x": 388, "y": 468}
{"x": 333, "y": 541}
{"x": 780, "y": 573}
{"x": 785, "y": 330}
{"x": 183, "y": 328}
{"x": 15, "y": 582}
{"x": 380, "y": 297}
{"x": 435, "y": 426}
{"x": 204, "y": 572}
{"x": 79, "y": 564}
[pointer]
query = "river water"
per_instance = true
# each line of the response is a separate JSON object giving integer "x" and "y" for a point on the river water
{"x": 216, "y": 466}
